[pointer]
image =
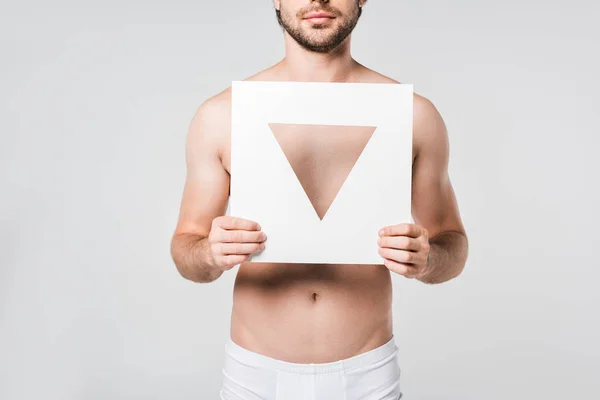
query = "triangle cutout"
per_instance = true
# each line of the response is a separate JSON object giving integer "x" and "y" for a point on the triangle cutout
{"x": 322, "y": 157}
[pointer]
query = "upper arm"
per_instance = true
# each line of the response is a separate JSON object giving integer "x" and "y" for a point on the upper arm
{"x": 206, "y": 188}
{"x": 434, "y": 204}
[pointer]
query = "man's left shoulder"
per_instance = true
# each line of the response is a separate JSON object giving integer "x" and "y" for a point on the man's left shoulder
{"x": 429, "y": 129}
{"x": 427, "y": 120}
{"x": 423, "y": 106}
{"x": 428, "y": 124}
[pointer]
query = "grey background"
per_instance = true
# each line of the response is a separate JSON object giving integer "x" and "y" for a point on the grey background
{"x": 95, "y": 102}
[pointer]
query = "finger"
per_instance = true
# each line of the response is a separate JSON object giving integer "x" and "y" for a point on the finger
{"x": 404, "y": 229}
{"x": 399, "y": 242}
{"x": 240, "y": 248}
{"x": 232, "y": 260}
{"x": 401, "y": 256}
{"x": 237, "y": 223}
{"x": 241, "y": 236}
{"x": 406, "y": 270}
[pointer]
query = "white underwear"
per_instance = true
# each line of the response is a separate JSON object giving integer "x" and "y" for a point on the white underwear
{"x": 372, "y": 375}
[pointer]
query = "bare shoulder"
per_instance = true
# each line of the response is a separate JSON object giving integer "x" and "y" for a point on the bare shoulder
{"x": 367, "y": 75}
{"x": 429, "y": 128}
{"x": 271, "y": 73}
{"x": 423, "y": 107}
{"x": 210, "y": 129}
{"x": 211, "y": 124}
{"x": 215, "y": 112}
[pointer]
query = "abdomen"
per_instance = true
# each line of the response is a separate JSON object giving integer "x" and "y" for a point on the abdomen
{"x": 311, "y": 312}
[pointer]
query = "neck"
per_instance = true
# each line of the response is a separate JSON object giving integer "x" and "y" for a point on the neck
{"x": 302, "y": 65}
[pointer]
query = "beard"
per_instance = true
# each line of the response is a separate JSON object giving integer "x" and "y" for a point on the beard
{"x": 319, "y": 39}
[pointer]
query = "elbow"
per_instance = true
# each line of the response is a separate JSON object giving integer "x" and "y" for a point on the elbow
{"x": 194, "y": 273}
{"x": 464, "y": 255}
{"x": 187, "y": 264}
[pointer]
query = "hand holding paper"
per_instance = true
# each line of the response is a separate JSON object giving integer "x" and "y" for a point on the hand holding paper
{"x": 405, "y": 248}
{"x": 233, "y": 240}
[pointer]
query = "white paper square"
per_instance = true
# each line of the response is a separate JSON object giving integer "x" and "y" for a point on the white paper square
{"x": 265, "y": 189}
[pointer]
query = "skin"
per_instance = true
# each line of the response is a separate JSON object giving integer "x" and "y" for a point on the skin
{"x": 314, "y": 313}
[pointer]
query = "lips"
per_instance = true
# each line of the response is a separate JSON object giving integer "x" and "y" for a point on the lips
{"x": 318, "y": 15}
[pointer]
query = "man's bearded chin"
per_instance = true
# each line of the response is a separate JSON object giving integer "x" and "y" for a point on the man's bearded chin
{"x": 321, "y": 41}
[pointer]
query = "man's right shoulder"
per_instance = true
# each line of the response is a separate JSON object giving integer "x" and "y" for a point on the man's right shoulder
{"x": 212, "y": 121}
{"x": 217, "y": 108}
{"x": 213, "y": 116}
{"x": 210, "y": 127}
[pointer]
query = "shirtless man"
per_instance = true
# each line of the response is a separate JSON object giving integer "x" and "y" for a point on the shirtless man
{"x": 318, "y": 331}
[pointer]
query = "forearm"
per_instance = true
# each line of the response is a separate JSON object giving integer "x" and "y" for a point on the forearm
{"x": 447, "y": 257}
{"x": 191, "y": 254}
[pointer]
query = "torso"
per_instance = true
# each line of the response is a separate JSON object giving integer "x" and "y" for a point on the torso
{"x": 312, "y": 313}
